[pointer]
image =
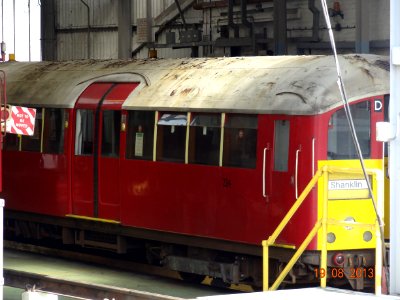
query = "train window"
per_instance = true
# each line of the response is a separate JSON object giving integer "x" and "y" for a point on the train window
{"x": 53, "y": 130}
{"x": 205, "y": 139}
{"x": 140, "y": 137}
{"x": 84, "y": 132}
{"x": 111, "y": 124}
{"x": 340, "y": 142}
{"x": 11, "y": 142}
{"x": 33, "y": 143}
{"x": 171, "y": 137}
{"x": 281, "y": 145}
{"x": 240, "y": 141}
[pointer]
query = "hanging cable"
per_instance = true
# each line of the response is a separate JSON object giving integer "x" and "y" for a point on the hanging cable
{"x": 29, "y": 27}
{"x": 353, "y": 132}
{"x": 2, "y": 20}
{"x": 14, "y": 26}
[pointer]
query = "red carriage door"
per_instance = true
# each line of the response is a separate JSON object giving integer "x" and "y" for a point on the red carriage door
{"x": 281, "y": 188}
{"x": 96, "y": 159}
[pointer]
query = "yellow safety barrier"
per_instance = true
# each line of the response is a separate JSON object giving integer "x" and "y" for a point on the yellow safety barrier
{"x": 321, "y": 224}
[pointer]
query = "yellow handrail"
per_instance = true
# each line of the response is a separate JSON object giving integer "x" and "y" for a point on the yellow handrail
{"x": 294, "y": 208}
{"x": 321, "y": 223}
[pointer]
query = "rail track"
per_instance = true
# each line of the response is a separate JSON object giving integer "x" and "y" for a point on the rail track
{"x": 86, "y": 289}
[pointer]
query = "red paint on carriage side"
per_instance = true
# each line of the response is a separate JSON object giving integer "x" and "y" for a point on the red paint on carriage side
{"x": 36, "y": 182}
{"x": 218, "y": 202}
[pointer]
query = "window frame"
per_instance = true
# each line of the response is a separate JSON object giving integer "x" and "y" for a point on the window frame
{"x": 334, "y": 155}
{"x": 193, "y": 138}
{"x": 160, "y": 141}
{"x": 131, "y": 141}
{"x": 237, "y": 140}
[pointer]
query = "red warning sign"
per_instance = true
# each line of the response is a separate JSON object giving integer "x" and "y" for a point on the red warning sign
{"x": 21, "y": 120}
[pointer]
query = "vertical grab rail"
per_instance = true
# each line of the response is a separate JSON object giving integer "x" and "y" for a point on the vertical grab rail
{"x": 296, "y": 173}
{"x": 264, "y": 189}
{"x": 3, "y": 103}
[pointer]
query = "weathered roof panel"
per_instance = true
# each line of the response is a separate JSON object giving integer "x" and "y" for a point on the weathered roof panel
{"x": 280, "y": 84}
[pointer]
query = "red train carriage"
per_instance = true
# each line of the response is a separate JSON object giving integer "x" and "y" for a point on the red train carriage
{"x": 195, "y": 161}
{"x": 3, "y": 117}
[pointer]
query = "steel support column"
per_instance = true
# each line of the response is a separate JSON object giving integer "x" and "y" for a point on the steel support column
{"x": 48, "y": 30}
{"x": 124, "y": 29}
{"x": 362, "y": 26}
{"x": 280, "y": 27}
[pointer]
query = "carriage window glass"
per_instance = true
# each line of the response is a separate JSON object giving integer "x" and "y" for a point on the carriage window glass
{"x": 340, "y": 142}
{"x": 205, "y": 139}
{"x": 140, "y": 137}
{"x": 53, "y": 130}
{"x": 11, "y": 142}
{"x": 240, "y": 141}
{"x": 111, "y": 124}
{"x": 84, "y": 132}
{"x": 171, "y": 137}
{"x": 33, "y": 142}
{"x": 281, "y": 145}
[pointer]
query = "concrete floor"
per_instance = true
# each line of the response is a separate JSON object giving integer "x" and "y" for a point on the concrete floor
{"x": 82, "y": 272}
{"x": 307, "y": 293}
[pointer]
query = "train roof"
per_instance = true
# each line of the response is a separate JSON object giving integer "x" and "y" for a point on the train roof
{"x": 263, "y": 84}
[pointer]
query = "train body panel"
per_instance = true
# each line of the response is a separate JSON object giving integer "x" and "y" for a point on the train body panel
{"x": 38, "y": 182}
{"x": 216, "y": 150}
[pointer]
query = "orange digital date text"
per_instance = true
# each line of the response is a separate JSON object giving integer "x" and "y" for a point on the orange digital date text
{"x": 353, "y": 273}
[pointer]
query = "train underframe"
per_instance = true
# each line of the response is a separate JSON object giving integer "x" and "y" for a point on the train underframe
{"x": 228, "y": 263}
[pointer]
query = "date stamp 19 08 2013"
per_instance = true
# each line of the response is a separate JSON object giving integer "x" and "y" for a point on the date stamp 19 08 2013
{"x": 353, "y": 273}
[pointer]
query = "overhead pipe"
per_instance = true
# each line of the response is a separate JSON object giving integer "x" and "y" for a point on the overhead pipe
{"x": 222, "y": 3}
{"x": 315, "y": 26}
{"x": 315, "y": 12}
{"x": 181, "y": 14}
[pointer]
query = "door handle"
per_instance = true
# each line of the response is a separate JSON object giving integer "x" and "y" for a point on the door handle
{"x": 296, "y": 173}
{"x": 264, "y": 191}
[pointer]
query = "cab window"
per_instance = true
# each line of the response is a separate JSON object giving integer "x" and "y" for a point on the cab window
{"x": 33, "y": 143}
{"x": 340, "y": 142}
{"x": 53, "y": 130}
{"x": 11, "y": 142}
{"x": 240, "y": 141}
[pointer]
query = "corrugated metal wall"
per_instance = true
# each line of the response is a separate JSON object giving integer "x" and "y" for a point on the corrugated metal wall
{"x": 73, "y": 14}
{"x": 71, "y": 26}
